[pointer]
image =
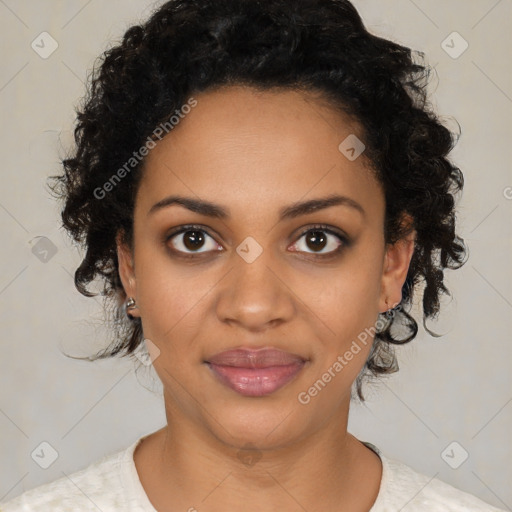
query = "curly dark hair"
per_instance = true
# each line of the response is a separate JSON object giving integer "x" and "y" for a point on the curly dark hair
{"x": 321, "y": 46}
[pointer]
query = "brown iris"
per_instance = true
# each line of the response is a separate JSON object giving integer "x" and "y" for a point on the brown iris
{"x": 316, "y": 240}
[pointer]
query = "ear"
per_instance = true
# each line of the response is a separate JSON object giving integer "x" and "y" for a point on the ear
{"x": 126, "y": 268}
{"x": 396, "y": 265}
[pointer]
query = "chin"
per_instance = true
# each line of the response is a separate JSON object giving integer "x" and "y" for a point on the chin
{"x": 260, "y": 422}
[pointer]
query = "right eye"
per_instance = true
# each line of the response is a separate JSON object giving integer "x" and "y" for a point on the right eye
{"x": 190, "y": 239}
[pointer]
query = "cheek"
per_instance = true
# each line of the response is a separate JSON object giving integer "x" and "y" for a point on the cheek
{"x": 348, "y": 307}
{"x": 170, "y": 297}
{"x": 348, "y": 296}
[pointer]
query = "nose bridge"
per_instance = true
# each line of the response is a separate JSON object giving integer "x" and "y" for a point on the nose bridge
{"x": 254, "y": 294}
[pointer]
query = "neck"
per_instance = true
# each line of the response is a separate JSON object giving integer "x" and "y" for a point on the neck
{"x": 191, "y": 468}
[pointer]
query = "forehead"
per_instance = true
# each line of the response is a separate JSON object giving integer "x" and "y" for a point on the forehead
{"x": 239, "y": 145}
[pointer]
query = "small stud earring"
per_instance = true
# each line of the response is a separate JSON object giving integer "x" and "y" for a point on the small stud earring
{"x": 130, "y": 304}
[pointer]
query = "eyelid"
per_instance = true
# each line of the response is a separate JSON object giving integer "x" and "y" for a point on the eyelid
{"x": 328, "y": 229}
{"x": 187, "y": 227}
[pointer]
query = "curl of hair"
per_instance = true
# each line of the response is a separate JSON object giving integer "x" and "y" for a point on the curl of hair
{"x": 321, "y": 46}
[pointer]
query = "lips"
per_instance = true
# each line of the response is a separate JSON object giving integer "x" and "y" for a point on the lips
{"x": 248, "y": 358}
{"x": 255, "y": 372}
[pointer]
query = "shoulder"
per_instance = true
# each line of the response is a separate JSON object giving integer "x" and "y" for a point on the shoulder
{"x": 98, "y": 486}
{"x": 402, "y": 486}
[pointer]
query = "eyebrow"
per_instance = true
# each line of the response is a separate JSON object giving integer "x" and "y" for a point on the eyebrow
{"x": 290, "y": 212}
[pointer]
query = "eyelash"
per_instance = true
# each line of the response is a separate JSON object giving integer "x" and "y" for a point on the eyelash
{"x": 345, "y": 242}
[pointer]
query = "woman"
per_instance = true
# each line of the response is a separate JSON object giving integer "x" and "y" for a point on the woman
{"x": 261, "y": 187}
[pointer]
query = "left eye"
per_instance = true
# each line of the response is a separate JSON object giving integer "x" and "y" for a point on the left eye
{"x": 318, "y": 239}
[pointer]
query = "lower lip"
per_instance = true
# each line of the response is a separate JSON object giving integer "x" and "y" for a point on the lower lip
{"x": 256, "y": 381}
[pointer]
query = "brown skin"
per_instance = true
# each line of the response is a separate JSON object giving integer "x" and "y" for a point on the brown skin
{"x": 255, "y": 153}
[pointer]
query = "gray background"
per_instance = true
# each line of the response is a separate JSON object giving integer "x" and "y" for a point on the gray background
{"x": 451, "y": 389}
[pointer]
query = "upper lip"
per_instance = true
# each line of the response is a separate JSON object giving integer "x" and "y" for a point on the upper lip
{"x": 250, "y": 358}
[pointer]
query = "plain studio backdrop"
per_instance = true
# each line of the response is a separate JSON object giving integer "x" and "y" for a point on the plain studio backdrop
{"x": 447, "y": 413}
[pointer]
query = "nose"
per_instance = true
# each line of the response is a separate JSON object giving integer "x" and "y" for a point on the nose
{"x": 255, "y": 295}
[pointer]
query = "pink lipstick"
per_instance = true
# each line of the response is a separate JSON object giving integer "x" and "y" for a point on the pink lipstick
{"x": 255, "y": 372}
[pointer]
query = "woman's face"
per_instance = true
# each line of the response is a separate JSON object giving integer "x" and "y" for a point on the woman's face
{"x": 266, "y": 273}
